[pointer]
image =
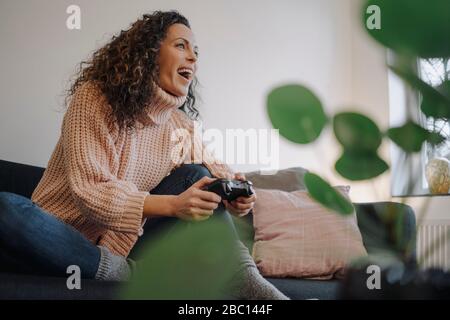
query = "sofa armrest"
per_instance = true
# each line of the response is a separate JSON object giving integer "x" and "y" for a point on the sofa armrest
{"x": 19, "y": 178}
{"x": 388, "y": 226}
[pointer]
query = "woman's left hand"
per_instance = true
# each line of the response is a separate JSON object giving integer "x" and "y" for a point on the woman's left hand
{"x": 242, "y": 205}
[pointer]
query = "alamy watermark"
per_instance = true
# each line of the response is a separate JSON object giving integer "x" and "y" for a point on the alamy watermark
{"x": 236, "y": 147}
{"x": 74, "y": 279}
{"x": 374, "y": 280}
{"x": 374, "y": 20}
{"x": 73, "y": 21}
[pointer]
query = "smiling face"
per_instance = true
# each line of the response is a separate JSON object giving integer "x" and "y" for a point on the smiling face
{"x": 177, "y": 60}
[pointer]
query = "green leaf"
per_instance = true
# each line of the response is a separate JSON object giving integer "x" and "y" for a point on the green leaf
{"x": 414, "y": 27}
{"x": 437, "y": 108}
{"x": 434, "y": 138}
{"x": 409, "y": 137}
{"x": 360, "y": 166}
{"x": 296, "y": 112}
{"x": 356, "y": 132}
{"x": 435, "y": 104}
{"x": 325, "y": 194}
{"x": 193, "y": 261}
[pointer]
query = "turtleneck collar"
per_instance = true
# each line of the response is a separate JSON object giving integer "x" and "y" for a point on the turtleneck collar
{"x": 162, "y": 105}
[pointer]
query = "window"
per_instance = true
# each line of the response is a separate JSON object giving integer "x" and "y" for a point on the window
{"x": 435, "y": 72}
{"x": 409, "y": 170}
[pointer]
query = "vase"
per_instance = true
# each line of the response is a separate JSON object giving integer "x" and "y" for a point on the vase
{"x": 437, "y": 173}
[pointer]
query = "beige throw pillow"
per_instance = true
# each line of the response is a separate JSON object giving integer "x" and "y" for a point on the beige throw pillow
{"x": 297, "y": 237}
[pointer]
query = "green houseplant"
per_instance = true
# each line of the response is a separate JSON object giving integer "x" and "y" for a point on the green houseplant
{"x": 412, "y": 29}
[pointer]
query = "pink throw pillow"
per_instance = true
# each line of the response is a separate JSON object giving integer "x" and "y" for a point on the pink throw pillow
{"x": 297, "y": 237}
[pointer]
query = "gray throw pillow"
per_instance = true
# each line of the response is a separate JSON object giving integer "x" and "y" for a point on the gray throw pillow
{"x": 289, "y": 179}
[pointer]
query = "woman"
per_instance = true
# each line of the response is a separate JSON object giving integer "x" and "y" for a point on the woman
{"x": 116, "y": 143}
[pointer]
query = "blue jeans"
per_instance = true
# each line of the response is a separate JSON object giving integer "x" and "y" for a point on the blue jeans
{"x": 34, "y": 241}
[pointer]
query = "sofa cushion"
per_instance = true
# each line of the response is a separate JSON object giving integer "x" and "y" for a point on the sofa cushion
{"x": 289, "y": 179}
{"x": 296, "y": 236}
{"x": 24, "y": 286}
{"x": 301, "y": 289}
{"x": 388, "y": 226}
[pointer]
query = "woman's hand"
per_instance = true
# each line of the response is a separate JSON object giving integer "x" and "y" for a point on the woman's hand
{"x": 242, "y": 205}
{"x": 196, "y": 204}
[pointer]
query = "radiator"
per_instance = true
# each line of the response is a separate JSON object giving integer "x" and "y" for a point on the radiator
{"x": 428, "y": 233}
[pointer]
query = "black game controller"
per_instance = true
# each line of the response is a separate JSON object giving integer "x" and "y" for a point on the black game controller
{"x": 231, "y": 189}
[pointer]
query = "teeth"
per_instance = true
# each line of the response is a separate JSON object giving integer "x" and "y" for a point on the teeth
{"x": 185, "y": 70}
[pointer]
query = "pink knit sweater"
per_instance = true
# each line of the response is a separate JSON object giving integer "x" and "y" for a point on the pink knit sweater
{"x": 98, "y": 177}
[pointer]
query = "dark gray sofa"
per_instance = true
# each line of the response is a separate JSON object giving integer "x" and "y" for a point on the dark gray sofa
{"x": 374, "y": 219}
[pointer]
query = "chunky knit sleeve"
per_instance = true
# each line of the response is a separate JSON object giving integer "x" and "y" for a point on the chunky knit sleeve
{"x": 91, "y": 162}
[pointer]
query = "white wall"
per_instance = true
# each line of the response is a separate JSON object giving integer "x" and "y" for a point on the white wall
{"x": 246, "y": 48}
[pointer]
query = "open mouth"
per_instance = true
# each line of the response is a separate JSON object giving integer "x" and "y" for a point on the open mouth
{"x": 185, "y": 73}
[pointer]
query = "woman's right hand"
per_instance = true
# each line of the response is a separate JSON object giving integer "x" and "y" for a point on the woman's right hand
{"x": 196, "y": 204}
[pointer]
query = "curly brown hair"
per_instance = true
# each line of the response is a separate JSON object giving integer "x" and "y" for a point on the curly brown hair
{"x": 125, "y": 67}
